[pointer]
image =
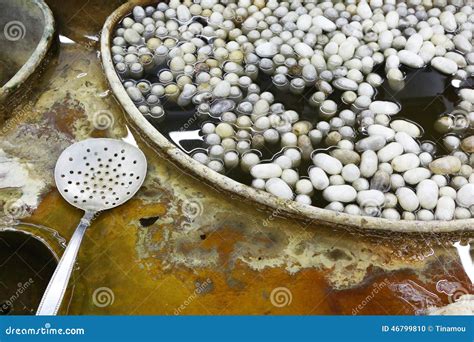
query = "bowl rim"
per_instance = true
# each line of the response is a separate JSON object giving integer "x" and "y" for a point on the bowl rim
{"x": 36, "y": 57}
{"x": 280, "y": 206}
{"x": 54, "y": 250}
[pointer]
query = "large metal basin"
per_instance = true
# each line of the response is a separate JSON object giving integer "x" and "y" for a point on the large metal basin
{"x": 26, "y": 32}
{"x": 293, "y": 209}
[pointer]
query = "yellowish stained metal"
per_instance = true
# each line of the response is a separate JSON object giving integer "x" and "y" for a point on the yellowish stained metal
{"x": 183, "y": 247}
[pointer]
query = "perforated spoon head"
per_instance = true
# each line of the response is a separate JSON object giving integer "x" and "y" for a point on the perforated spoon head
{"x": 100, "y": 174}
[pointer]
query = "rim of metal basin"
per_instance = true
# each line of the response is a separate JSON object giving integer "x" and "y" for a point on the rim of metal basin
{"x": 37, "y": 233}
{"x": 36, "y": 57}
{"x": 288, "y": 208}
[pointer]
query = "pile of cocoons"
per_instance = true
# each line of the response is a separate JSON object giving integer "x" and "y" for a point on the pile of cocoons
{"x": 354, "y": 154}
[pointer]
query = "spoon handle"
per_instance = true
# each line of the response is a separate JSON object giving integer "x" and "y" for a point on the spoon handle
{"x": 54, "y": 294}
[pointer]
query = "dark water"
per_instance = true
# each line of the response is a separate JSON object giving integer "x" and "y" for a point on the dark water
{"x": 427, "y": 94}
{"x": 26, "y": 265}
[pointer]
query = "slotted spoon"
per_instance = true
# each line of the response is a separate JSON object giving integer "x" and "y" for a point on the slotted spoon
{"x": 93, "y": 175}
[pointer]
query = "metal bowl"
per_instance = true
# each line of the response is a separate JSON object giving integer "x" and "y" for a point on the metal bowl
{"x": 289, "y": 208}
{"x": 26, "y": 32}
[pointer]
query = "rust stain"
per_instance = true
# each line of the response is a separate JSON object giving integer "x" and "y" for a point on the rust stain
{"x": 64, "y": 114}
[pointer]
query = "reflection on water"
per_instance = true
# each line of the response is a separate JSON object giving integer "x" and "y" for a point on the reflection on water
{"x": 65, "y": 40}
{"x": 185, "y": 139}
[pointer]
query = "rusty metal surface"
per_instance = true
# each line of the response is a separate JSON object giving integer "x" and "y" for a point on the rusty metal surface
{"x": 181, "y": 246}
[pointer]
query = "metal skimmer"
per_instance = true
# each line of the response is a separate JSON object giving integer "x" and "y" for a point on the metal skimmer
{"x": 93, "y": 175}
